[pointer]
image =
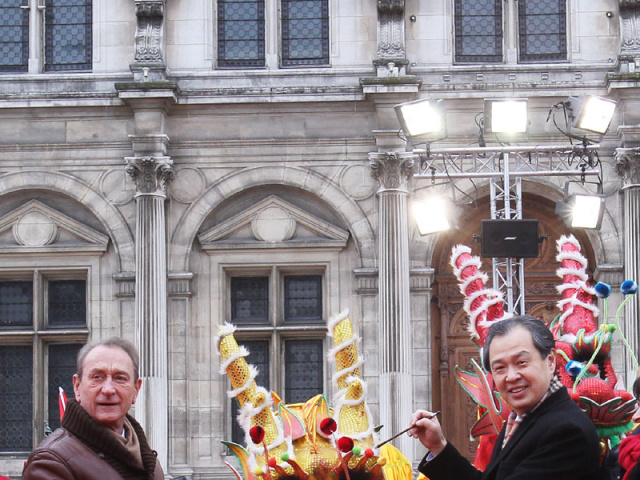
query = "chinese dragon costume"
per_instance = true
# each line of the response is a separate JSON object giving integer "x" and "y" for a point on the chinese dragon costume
{"x": 583, "y": 347}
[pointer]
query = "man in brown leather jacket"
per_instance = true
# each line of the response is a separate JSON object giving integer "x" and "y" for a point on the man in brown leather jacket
{"x": 98, "y": 439}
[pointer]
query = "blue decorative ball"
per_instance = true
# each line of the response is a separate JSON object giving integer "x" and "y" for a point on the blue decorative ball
{"x": 629, "y": 287}
{"x": 574, "y": 368}
{"x": 603, "y": 290}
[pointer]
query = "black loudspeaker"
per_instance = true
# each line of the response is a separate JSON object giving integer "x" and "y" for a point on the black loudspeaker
{"x": 509, "y": 238}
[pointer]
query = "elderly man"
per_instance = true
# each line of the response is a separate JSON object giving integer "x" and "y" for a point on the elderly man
{"x": 547, "y": 435}
{"x": 98, "y": 439}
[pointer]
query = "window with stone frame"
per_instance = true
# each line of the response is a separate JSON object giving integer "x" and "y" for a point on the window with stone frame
{"x": 480, "y": 27}
{"x": 242, "y": 39}
{"x": 61, "y": 40}
{"x": 43, "y": 325}
{"x": 305, "y": 32}
{"x": 542, "y": 30}
{"x": 279, "y": 315}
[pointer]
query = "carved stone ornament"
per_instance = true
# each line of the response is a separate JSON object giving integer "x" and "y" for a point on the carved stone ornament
{"x": 630, "y": 20}
{"x": 628, "y": 164}
{"x": 391, "y": 5}
{"x": 391, "y": 34}
{"x": 629, "y": 4}
{"x": 392, "y": 170}
{"x": 151, "y": 174}
{"x": 149, "y": 31}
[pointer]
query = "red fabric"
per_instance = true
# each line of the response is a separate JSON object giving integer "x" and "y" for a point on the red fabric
{"x": 484, "y": 451}
{"x": 629, "y": 453}
{"x": 62, "y": 402}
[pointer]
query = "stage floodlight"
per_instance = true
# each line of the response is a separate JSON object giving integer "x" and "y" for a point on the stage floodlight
{"x": 432, "y": 215}
{"x": 581, "y": 210}
{"x": 505, "y": 116}
{"x": 422, "y": 119}
{"x": 590, "y": 113}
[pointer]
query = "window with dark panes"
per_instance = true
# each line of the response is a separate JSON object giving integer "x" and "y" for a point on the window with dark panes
{"x": 37, "y": 357}
{"x": 67, "y": 302}
{"x": 279, "y": 318}
{"x": 542, "y": 26}
{"x": 68, "y": 35}
{"x": 302, "y": 298}
{"x": 241, "y": 33}
{"x": 14, "y": 36}
{"x": 16, "y": 405}
{"x": 250, "y": 299}
{"x": 303, "y": 362}
{"x": 478, "y": 31}
{"x": 62, "y": 366}
{"x": 259, "y": 358}
{"x": 305, "y": 32}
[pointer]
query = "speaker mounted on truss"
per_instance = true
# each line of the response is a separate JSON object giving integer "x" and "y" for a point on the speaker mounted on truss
{"x": 510, "y": 238}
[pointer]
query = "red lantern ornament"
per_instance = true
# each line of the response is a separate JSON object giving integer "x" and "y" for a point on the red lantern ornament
{"x": 257, "y": 434}
{"x": 345, "y": 444}
{"x": 328, "y": 426}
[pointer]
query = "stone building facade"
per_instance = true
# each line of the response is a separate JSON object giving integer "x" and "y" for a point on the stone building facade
{"x": 189, "y": 163}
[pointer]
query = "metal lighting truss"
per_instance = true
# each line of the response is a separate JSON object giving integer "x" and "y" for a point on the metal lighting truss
{"x": 505, "y": 167}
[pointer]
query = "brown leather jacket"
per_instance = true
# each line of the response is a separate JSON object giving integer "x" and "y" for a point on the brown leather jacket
{"x": 82, "y": 450}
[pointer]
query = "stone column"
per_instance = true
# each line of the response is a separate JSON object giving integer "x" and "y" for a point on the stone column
{"x": 151, "y": 174}
{"x": 393, "y": 172}
{"x": 628, "y": 165}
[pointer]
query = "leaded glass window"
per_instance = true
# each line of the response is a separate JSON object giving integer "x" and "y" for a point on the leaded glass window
{"x": 62, "y": 366}
{"x": 16, "y": 304}
{"x": 542, "y": 28}
{"x": 14, "y": 36}
{"x": 250, "y": 299}
{"x": 288, "y": 341}
{"x": 478, "y": 31}
{"x": 305, "y": 32}
{"x": 303, "y": 298}
{"x": 241, "y": 33}
{"x": 36, "y": 356}
{"x": 259, "y": 358}
{"x": 68, "y": 35}
{"x": 303, "y": 370}
{"x": 67, "y": 302}
{"x": 16, "y": 405}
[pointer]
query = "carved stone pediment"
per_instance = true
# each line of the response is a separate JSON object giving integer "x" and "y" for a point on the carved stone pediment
{"x": 36, "y": 227}
{"x": 273, "y": 223}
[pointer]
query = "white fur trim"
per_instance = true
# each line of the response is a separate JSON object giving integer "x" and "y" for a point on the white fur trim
{"x": 224, "y": 330}
{"x": 478, "y": 276}
{"x": 242, "y": 352}
{"x": 470, "y": 262}
{"x": 456, "y": 251}
{"x": 346, "y": 371}
{"x": 332, "y": 353}
{"x": 336, "y": 319}
{"x": 253, "y": 373}
{"x": 568, "y": 239}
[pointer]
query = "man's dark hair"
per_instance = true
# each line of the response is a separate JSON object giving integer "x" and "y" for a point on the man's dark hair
{"x": 540, "y": 333}
{"x": 125, "y": 345}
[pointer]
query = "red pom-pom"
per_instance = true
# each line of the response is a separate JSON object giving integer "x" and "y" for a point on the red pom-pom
{"x": 272, "y": 462}
{"x": 369, "y": 453}
{"x": 257, "y": 434}
{"x": 328, "y": 426}
{"x": 345, "y": 444}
